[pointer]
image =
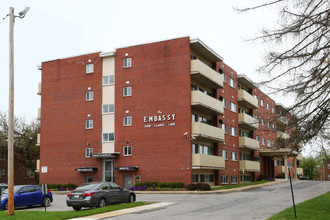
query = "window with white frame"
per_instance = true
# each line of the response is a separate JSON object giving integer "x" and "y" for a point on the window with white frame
{"x": 224, "y": 78}
{"x": 89, "y": 68}
{"x": 263, "y": 141}
{"x": 273, "y": 110}
{"x": 234, "y": 179}
{"x": 224, "y": 179}
{"x": 127, "y": 150}
{"x": 262, "y": 102}
{"x": 127, "y": 91}
{"x": 206, "y": 178}
{"x": 2, "y": 173}
{"x": 89, "y": 124}
{"x": 269, "y": 143}
{"x": 108, "y": 80}
{"x": 106, "y": 137}
{"x": 262, "y": 122}
{"x": 89, "y": 96}
{"x": 255, "y": 96}
{"x": 329, "y": 166}
{"x": 234, "y": 156}
{"x": 275, "y": 163}
{"x": 207, "y": 150}
{"x": 88, "y": 152}
{"x": 232, "y": 107}
{"x": 232, "y": 83}
{"x": 233, "y": 131}
{"x": 273, "y": 126}
{"x": 225, "y": 128}
{"x": 127, "y": 62}
{"x": 108, "y": 108}
{"x": 224, "y": 154}
{"x": 267, "y": 106}
{"x": 194, "y": 148}
{"x": 224, "y": 102}
{"x": 127, "y": 120}
{"x": 268, "y": 124}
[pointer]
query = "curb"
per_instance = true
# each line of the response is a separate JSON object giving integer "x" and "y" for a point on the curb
{"x": 125, "y": 211}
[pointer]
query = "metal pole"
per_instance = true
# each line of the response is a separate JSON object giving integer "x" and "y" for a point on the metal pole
{"x": 11, "y": 116}
{"x": 294, "y": 205}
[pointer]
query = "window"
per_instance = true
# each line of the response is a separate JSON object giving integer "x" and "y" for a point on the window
{"x": 275, "y": 163}
{"x": 88, "y": 179}
{"x": 224, "y": 78}
{"x": 262, "y": 122}
{"x": 273, "y": 110}
{"x": 257, "y": 138}
{"x": 263, "y": 141}
{"x": 329, "y": 166}
{"x": 108, "y": 108}
{"x": 195, "y": 178}
{"x": 127, "y": 62}
{"x": 193, "y": 57}
{"x": 127, "y": 150}
{"x": 89, "y": 96}
{"x": 194, "y": 118}
{"x": 262, "y": 102}
{"x": 255, "y": 96}
{"x": 267, "y": 106}
{"x": 234, "y": 156}
{"x": 89, "y": 124}
{"x": 224, "y": 102}
{"x": 89, "y": 68}
{"x": 106, "y": 137}
{"x": 193, "y": 87}
{"x": 224, "y": 179}
{"x": 127, "y": 120}
{"x": 127, "y": 91}
{"x": 268, "y": 124}
{"x": 232, "y": 107}
{"x": 88, "y": 152}
{"x": 269, "y": 143}
{"x": 273, "y": 126}
{"x": 234, "y": 179}
{"x": 108, "y": 80}
{"x": 2, "y": 173}
{"x": 206, "y": 178}
{"x": 225, "y": 128}
{"x": 233, "y": 131}
{"x": 203, "y": 149}
{"x": 232, "y": 82}
{"x": 194, "y": 148}
{"x": 224, "y": 153}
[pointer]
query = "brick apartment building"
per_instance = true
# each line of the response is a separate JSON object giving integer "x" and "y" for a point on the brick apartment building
{"x": 164, "y": 111}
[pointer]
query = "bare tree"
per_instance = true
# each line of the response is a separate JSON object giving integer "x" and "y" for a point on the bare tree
{"x": 298, "y": 64}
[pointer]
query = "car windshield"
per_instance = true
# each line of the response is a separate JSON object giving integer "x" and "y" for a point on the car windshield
{"x": 16, "y": 189}
{"x": 88, "y": 186}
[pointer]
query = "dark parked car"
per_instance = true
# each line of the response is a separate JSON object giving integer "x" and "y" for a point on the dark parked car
{"x": 3, "y": 186}
{"x": 98, "y": 194}
{"x": 27, "y": 195}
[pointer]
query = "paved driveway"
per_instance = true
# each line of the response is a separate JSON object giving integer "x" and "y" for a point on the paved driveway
{"x": 258, "y": 203}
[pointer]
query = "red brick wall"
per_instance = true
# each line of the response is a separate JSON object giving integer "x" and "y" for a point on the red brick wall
{"x": 160, "y": 81}
{"x": 64, "y": 110}
{"x": 231, "y": 119}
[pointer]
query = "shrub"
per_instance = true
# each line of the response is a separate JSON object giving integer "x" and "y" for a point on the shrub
{"x": 71, "y": 185}
{"x": 192, "y": 186}
{"x": 175, "y": 185}
{"x": 199, "y": 186}
{"x": 163, "y": 185}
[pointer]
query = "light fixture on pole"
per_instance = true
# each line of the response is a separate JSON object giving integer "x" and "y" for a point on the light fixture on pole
{"x": 11, "y": 109}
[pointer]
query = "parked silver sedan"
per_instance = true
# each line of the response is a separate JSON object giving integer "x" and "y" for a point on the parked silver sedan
{"x": 98, "y": 194}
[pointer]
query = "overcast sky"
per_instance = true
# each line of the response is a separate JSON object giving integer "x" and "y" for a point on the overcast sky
{"x": 62, "y": 28}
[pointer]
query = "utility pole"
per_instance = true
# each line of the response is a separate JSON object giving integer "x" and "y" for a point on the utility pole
{"x": 11, "y": 115}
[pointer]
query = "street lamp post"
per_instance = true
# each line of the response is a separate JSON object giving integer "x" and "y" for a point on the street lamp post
{"x": 11, "y": 109}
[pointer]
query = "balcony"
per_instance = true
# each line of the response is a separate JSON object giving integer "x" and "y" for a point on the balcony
{"x": 207, "y": 132}
{"x": 300, "y": 171}
{"x": 249, "y": 143}
{"x": 249, "y": 166}
{"x": 246, "y": 100}
{"x": 39, "y": 89}
{"x": 248, "y": 122}
{"x": 39, "y": 114}
{"x": 202, "y": 161}
{"x": 280, "y": 134}
{"x": 206, "y": 103}
{"x": 38, "y": 140}
{"x": 203, "y": 74}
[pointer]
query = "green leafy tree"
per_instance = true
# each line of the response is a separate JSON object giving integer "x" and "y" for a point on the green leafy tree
{"x": 311, "y": 167}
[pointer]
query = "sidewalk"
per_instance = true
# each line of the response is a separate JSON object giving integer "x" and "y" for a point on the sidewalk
{"x": 164, "y": 204}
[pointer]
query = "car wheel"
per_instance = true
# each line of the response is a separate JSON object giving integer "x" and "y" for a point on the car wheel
{"x": 101, "y": 203}
{"x": 76, "y": 208}
{"x": 131, "y": 198}
{"x": 46, "y": 202}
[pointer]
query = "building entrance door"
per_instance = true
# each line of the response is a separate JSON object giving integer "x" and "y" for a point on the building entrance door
{"x": 107, "y": 173}
{"x": 128, "y": 181}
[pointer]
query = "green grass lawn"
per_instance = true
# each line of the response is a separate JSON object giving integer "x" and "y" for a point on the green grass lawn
{"x": 239, "y": 185}
{"x": 41, "y": 215}
{"x": 317, "y": 208}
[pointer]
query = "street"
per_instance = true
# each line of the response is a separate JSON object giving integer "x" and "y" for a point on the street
{"x": 259, "y": 203}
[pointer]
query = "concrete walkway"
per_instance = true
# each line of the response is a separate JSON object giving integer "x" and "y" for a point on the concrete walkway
{"x": 163, "y": 204}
